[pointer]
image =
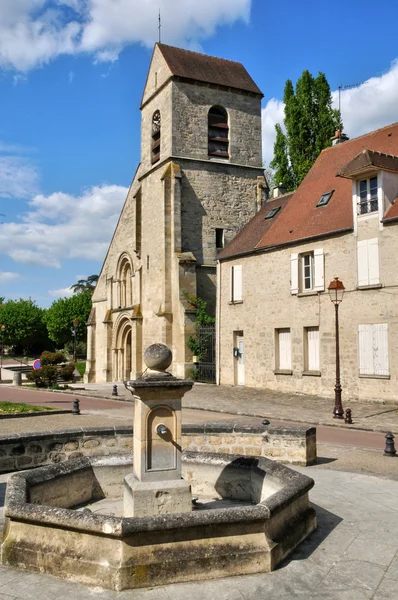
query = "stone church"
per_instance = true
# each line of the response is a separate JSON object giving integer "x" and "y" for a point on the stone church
{"x": 200, "y": 180}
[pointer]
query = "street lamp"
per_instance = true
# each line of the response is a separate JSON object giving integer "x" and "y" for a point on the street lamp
{"x": 74, "y": 335}
{"x": 2, "y": 329}
{"x": 336, "y": 293}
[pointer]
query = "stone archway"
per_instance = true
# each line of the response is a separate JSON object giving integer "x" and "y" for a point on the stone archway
{"x": 122, "y": 350}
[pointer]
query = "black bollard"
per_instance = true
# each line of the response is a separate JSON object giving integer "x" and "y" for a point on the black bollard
{"x": 265, "y": 422}
{"x": 389, "y": 450}
{"x": 76, "y": 407}
{"x": 114, "y": 390}
{"x": 348, "y": 417}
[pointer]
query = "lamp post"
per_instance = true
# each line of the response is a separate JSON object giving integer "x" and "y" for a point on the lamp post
{"x": 2, "y": 329}
{"x": 74, "y": 335}
{"x": 336, "y": 293}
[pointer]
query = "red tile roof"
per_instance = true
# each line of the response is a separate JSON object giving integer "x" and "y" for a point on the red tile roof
{"x": 302, "y": 219}
{"x": 366, "y": 160}
{"x": 251, "y": 234}
{"x": 208, "y": 69}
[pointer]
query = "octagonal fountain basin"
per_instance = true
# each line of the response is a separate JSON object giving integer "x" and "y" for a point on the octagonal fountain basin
{"x": 248, "y": 514}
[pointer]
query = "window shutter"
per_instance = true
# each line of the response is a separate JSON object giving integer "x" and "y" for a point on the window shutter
{"x": 231, "y": 284}
{"x": 313, "y": 348}
{"x": 373, "y": 261}
{"x": 365, "y": 333}
{"x": 294, "y": 273}
{"x": 380, "y": 349}
{"x": 284, "y": 349}
{"x": 363, "y": 266}
{"x": 319, "y": 278}
{"x": 237, "y": 292}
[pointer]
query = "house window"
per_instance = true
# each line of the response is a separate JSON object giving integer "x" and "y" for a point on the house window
{"x": 324, "y": 199}
{"x": 311, "y": 362}
{"x": 307, "y": 272}
{"x": 155, "y": 137}
{"x": 367, "y": 192}
{"x": 218, "y": 132}
{"x": 283, "y": 350}
{"x": 368, "y": 262}
{"x": 373, "y": 349}
{"x": 219, "y": 239}
{"x": 272, "y": 212}
{"x": 236, "y": 284}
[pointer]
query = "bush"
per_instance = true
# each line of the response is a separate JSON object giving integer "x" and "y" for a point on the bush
{"x": 52, "y": 358}
{"x": 66, "y": 372}
{"x": 45, "y": 376}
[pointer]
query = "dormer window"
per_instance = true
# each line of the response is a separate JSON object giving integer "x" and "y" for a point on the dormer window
{"x": 155, "y": 154}
{"x": 218, "y": 132}
{"x": 367, "y": 192}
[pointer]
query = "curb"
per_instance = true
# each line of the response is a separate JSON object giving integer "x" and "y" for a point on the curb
{"x": 42, "y": 413}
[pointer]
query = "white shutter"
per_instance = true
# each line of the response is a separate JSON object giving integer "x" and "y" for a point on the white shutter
{"x": 319, "y": 279}
{"x": 294, "y": 274}
{"x": 284, "y": 349}
{"x": 313, "y": 348}
{"x": 237, "y": 279}
{"x": 365, "y": 333}
{"x": 231, "y": 284}
{"x": 363, "y": 266}
{"x": 373, "y": 261}
{"x": 380, "y": 349}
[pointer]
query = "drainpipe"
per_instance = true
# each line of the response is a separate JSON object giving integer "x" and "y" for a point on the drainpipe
{"x": 218, "y": 324}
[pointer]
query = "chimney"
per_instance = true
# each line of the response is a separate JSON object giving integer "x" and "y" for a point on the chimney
{"x": 278, "y": 190}
{"x": 339, "y": 137}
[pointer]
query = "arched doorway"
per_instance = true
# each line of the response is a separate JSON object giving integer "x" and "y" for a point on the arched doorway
{"x": 122, "y": 350}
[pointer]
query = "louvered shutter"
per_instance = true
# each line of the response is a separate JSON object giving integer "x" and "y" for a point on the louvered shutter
{"x": 319, "y": 278}
{"x": 373, "y": 261}
{"x": 313, "y": 348}
{"x": 380, "y": 349}
{"x": 365, "y": 333}
{"x": 363, "y": 263}
{"x": 237, "y": 279}
{"x": 284, "y": 349}
{"x": 294, "y": 273}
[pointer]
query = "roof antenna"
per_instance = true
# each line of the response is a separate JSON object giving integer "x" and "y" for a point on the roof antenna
{"x": 160, "y": 25}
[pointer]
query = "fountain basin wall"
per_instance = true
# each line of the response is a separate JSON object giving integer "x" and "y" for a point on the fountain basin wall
{"x": 294, "y": 445}
{"x": 44, "y": 533}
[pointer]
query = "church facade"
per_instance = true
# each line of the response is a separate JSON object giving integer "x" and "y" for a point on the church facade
{"x": 200, "y": 180}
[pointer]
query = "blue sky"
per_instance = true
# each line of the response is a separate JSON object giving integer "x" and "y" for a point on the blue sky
{"x": 71, "y": 79}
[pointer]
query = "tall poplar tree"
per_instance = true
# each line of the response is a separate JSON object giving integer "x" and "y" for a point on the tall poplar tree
{"x": 310, "y": 122}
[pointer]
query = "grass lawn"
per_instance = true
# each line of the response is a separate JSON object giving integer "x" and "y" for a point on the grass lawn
{"x": 14, "y": 408}
{"x": 81, "y": 367}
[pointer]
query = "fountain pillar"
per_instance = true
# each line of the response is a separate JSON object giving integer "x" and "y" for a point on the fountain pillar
{"x": 156, "y": 486}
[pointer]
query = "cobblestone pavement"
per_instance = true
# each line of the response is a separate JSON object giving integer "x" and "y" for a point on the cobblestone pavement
{"x": 353, "y": 555}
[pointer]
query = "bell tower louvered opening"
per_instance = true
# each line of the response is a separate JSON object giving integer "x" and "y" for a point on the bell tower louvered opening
{"x": 155, "y": 156}
{"x": 218, "y": 132}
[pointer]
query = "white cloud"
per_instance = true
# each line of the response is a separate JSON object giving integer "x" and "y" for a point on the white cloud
{"x": 33, "y": 32}
{"x": 369, "y": 106}
{"x": 61, "y": 226}
{"x": 6, "y": 276}
{"x": 61, "y": 293}
{"x": 18, "y": 176}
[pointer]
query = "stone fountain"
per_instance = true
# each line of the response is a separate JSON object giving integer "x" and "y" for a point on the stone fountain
{"x": 130, "y": 521}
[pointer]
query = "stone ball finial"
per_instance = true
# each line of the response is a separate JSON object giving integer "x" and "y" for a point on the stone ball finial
{"x": 158, "y": 357}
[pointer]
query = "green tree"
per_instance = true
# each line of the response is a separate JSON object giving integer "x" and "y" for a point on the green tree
{"x": 310, "y": 122}
{"x": 61, "y": 314}
{"x": 24, "y": 325}
{"x": 85, "y": 285}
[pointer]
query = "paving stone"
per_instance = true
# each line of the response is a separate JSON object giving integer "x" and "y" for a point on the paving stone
{"x": 379, "y": 553}
{"x": 387, "y": 590}
{"x": 355, "y": 574}
{"x": 392, "y": 571}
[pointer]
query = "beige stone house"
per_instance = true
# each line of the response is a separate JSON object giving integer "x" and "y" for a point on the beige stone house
{"x": 276, "y": 323}
{"x": 199, "y": 181}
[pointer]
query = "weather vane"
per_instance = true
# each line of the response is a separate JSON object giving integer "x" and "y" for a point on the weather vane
{"x": 160, "y": 25}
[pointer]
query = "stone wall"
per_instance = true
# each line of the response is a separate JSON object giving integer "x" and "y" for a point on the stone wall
{"x": 295, "y": 445}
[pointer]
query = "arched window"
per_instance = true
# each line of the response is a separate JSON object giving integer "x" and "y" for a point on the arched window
{"x": 155, "y": 137}
{"x": 125, "y": 292}
{"x": 218, "y": 132}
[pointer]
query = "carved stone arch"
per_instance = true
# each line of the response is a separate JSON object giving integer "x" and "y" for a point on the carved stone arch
{"x": 122, "y": 347}
{"x": 124, "y": 275}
